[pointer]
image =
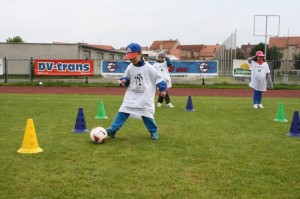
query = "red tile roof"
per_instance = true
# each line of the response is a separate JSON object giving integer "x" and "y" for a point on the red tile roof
{"x": 247, "y": 48}
{"x": 104, "y": 47}
{"x": 166, "y": 44}
{"x": 176, "y": 53}
{"x": 195, "y": 48}
{"x": 284, "y": 42}
{"x": 209, "y": 50}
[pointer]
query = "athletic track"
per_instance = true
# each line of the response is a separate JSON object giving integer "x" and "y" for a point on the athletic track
{"x": 121, "y": 91}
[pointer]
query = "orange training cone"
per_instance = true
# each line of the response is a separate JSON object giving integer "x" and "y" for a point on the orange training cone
{"x": 30, "y": 143}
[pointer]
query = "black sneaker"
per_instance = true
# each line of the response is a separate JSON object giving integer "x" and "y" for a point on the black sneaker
{"x": 111, "y": 133}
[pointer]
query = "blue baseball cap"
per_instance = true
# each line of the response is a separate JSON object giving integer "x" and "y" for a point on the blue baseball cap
{"x": 132, "y": 50}
{"x": 162, "y": 55}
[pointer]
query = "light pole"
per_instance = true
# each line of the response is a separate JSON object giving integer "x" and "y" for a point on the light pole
{"x": 266, "y": 34}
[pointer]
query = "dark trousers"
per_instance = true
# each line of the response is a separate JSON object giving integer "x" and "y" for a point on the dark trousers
{"x": 166, "y": 98}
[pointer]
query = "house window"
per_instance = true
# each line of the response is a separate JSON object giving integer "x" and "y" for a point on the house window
{"x": 86, "y": 54}
{"x": 120, "y": 57}
{"x": 111, "y": 56}
{"x": 99, "y": 55}
{"x": 99, "y": 58}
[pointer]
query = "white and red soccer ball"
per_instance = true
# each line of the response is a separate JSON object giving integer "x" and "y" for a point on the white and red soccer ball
{"x": 98, "y": 135}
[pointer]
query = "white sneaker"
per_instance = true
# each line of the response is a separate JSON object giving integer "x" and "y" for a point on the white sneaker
{"x": 159, "y": 104}
{"x": 260, "y": 106}
{"x": 170, "y": 105}
{"x": 255, "y": 106}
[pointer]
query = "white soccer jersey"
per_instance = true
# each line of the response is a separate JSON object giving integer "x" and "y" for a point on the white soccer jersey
{"x": 163, "y": 70}
{"x": 258, "y": 76}
{"x": 139, "y": 97}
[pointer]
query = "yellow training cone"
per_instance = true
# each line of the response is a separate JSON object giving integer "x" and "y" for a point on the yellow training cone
{"x": 30, "y": 143}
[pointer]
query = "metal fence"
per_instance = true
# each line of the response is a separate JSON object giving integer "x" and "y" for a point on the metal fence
{"x": 21, "y": 70}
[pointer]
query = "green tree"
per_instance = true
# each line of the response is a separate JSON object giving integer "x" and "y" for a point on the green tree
{"x": 258, "y": 47}
{"x": 273, "y": 54}
{"x": 16, "y": 39}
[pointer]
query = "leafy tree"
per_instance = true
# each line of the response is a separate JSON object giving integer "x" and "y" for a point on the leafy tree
{"x": 273, "y": 54}
{"x": 16, "y": 39}
{"x": 260, "y": 46}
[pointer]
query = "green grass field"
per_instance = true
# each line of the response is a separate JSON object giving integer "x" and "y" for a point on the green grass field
{"x": 224, "y": 149}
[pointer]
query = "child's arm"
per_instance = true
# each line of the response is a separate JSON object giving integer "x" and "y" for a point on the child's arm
{"x": 269, "y": 80}
{"x": 124, "y": 81}
{"x": 162, "y": 86}
{"x": 169, "y": 63}
{"x": 250, "y": 59}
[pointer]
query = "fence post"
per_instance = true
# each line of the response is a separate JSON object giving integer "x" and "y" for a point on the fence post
{"x": 31, "y": 74}
{"x": 5, "y": 70}
{"x": 86, "y": 77}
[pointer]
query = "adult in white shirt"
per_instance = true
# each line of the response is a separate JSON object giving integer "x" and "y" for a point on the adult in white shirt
{"x": 260, "y": 73}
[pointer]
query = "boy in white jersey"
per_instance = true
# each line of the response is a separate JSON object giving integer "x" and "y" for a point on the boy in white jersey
{"x": 162, "y": 66}
{"x": 260, "y": 73}
{"x": 141, "y": 80}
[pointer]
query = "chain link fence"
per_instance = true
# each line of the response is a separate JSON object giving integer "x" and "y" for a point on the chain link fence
{"x": 21, "y": 70}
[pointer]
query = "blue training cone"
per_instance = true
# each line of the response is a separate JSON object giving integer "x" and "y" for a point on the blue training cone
{"x": 189, "y": 104}
{"x": 80, "y": 126}
{"x": 295, "y": 125}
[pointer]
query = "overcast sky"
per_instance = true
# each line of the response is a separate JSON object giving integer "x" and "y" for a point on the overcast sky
{"x": 120, "y": 22}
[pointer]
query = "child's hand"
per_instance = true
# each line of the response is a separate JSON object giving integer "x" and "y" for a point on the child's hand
{"x": 123, "y": 82}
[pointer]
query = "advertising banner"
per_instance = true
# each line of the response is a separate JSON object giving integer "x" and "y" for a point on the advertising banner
{"x": 64, "y": 67}
{"x": 199, "y": 68}
{"x": 241, "y": 68}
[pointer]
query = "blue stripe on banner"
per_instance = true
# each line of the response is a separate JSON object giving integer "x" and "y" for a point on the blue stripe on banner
{"x": 201, "y": 68}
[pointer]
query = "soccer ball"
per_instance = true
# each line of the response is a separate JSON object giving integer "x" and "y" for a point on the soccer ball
{"x": 98, "y": 135}
{"x": 40, "y": 83}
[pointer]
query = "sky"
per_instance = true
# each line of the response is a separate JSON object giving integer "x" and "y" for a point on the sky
{"x": 120, "y": 22}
